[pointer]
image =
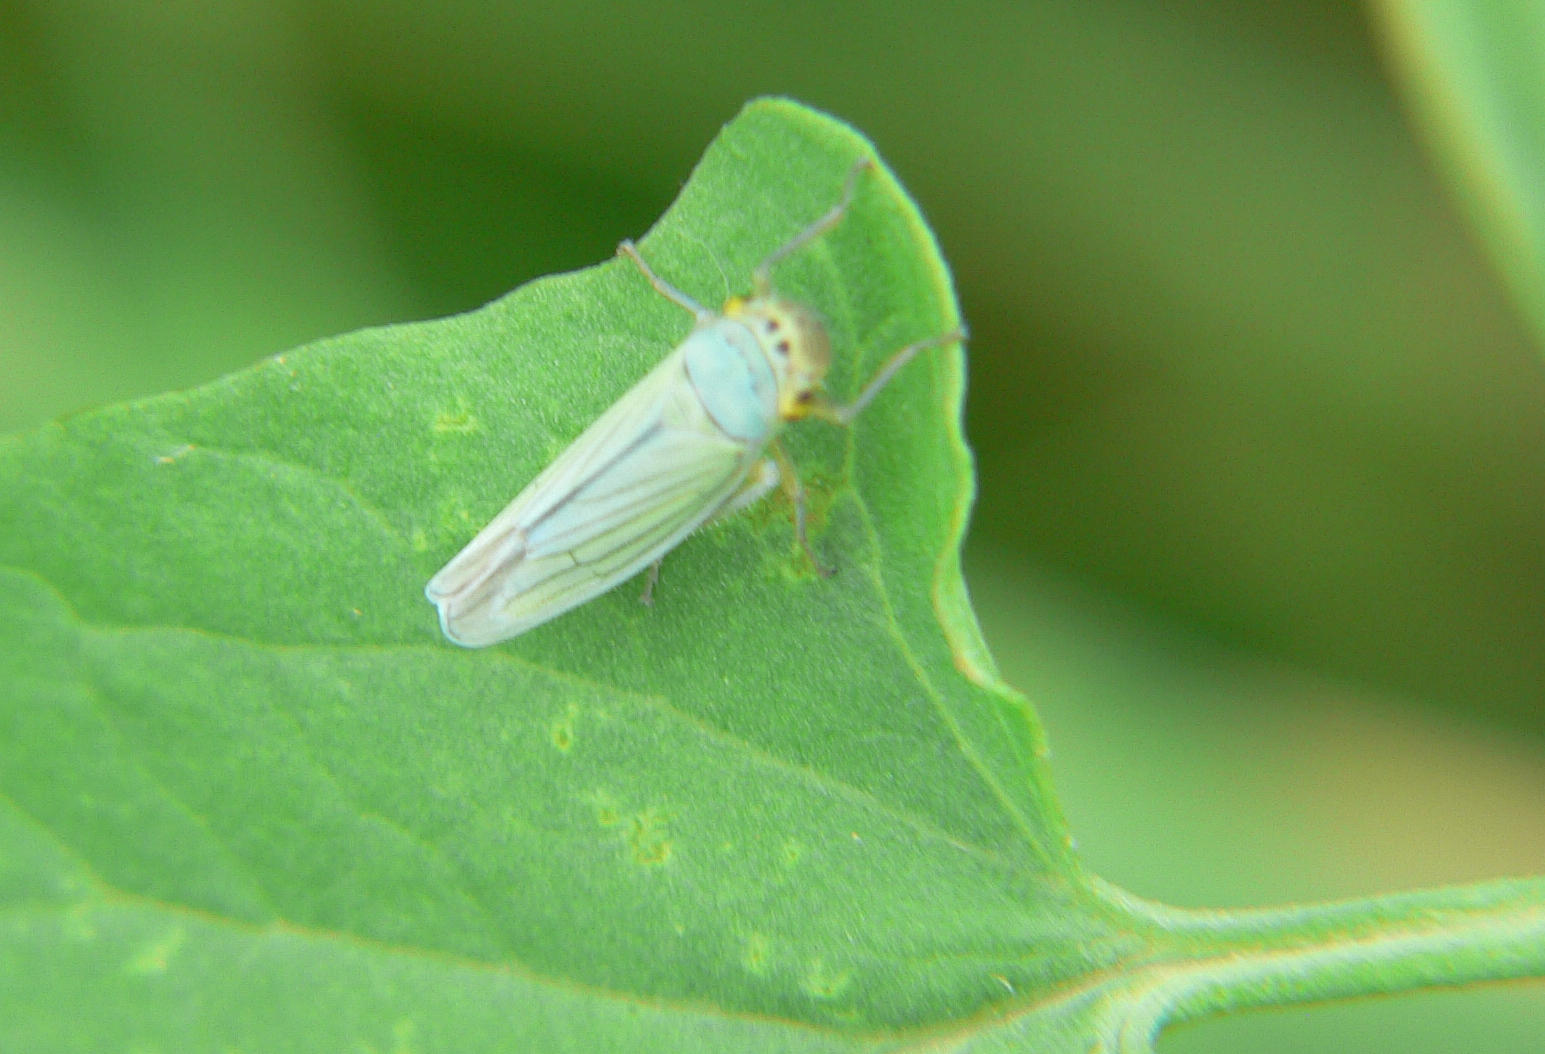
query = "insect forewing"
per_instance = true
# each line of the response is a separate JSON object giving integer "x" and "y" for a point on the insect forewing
{"x": 648, "y": 472}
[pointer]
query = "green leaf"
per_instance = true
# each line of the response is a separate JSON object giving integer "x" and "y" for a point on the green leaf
{"x": 771, "y": 795}
{"x": 1473, "y": 75}
{"x": 251, "y": 799}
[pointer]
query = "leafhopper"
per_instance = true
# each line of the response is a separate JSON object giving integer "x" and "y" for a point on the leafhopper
{"x": 695, "y": 440}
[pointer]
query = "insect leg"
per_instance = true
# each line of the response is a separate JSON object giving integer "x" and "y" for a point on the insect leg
{"x": 796, "y": 492}
{"x": 843, "y": 415}
{"x": 661, "y": 286}
{"x": 763, "y": 478}
{"x": 654, "y": 576}
{"x": 761, "y": 278}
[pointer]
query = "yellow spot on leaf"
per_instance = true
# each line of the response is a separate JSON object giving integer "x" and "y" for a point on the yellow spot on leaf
{"x": 460, "y": 420}
{"x": 607, "y": 813}
{"x": 154, "y": 957}
{"x": 754, "y": 957}
{"x": 562, "y": 730}
{"x": 646, "y": 832}
{"x": 647, "y": 836}
{"x": 824, "y": 982}
{"x": 403, "y": 1030}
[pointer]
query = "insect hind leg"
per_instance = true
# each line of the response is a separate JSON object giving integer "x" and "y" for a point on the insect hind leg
{"x": 764, "y": 477}
{"x": 647, "y": 599}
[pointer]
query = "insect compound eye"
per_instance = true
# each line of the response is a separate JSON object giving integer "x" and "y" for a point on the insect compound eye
{"x": 782, "y": 348}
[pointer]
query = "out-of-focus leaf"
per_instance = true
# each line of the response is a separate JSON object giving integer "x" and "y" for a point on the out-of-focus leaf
{"x": 1473, "y": 74}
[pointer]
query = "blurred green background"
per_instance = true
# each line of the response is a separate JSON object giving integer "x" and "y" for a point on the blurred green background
{"x": 1261, "y": 432}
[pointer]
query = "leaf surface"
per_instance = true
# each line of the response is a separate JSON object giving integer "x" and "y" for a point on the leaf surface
{"x": 244, "y": 769}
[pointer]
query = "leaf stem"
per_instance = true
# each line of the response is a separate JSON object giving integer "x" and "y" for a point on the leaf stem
{"x": 1233, "y": 960}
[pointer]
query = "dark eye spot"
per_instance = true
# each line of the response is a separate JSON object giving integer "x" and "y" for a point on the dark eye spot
{"x": 804, "y": 396}
{"x": 772, "y": 325}
{"x": 782, "y": 347}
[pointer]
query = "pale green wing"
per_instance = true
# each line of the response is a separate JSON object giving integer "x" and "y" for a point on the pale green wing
{"x": 646, "y": 474}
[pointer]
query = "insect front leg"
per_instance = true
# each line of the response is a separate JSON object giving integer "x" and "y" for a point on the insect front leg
{"x": 844, "y": 415}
